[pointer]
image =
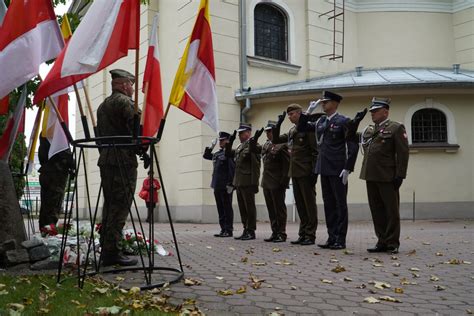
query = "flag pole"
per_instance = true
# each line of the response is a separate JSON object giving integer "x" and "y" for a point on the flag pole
{"x": 162, "y": 123}
{"x": 89, "y": 107}
{"x": 60, "y": 118}
{"x": 85, "y": 126}
{"x": 34, "y": 135}
{"x": 136, "y": 122}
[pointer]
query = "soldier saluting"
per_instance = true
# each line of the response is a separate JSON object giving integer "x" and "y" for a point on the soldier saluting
{"x": 385, "y": 148}
{"x": 247, "y": 173}
{"x": 222, "y": 176}
{"x": 276, "y": 162}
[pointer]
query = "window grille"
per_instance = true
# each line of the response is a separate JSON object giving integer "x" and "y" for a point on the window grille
{"x": 271, "y": 32}
{"x": 429, "y": 126}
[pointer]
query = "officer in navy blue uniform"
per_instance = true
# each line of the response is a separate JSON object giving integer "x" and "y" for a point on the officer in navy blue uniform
{"x": 222, "y": 177}
{"x": 336, "y": 159}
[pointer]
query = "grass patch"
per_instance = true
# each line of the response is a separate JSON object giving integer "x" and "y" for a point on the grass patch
{"x": 40, "y": 295}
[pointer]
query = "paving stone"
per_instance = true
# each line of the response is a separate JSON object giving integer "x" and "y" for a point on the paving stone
{"x": 39, "y": 253}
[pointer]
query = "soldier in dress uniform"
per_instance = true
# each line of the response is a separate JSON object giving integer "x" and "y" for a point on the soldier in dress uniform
{"x": 118, "y": 166}
{"x": 247, "y": 173}
{"x": 336, "y": 159}
{"x": 303, "y": 154}
{"x": 385, "y": 148}
{"x": 222, "y": 177}
{"x": 276, "y": 163}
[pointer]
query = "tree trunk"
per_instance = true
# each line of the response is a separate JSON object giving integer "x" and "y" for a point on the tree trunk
{"x": 11, "y": 220}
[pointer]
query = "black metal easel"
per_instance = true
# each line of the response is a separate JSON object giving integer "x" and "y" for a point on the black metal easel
{"x": 148, "y": 268}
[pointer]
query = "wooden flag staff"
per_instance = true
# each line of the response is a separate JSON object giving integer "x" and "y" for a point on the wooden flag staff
{"x": 85, "y": 126}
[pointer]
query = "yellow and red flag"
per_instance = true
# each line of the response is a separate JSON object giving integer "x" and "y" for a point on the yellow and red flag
{"x": 194, "y": 87}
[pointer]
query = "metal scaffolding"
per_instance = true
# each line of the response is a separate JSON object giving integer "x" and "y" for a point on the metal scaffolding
{"x": 337, "y": 17}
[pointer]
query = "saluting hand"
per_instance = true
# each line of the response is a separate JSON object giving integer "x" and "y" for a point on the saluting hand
{"x": 257, "y": 135}
{"x": 213, "y": 143}
{"x": 360, "y": 115}
{"x": 281, "y": 118}
{"x": 232, "y": 137}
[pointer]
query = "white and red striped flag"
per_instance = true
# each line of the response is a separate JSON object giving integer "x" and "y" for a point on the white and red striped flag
{"x": 194, "y": 87}
{"x": 153, "y": 105}
{"x": 106, "y": 33}
{"x": 29, "y": 36}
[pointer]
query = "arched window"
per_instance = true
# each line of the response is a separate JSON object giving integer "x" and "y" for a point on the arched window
{"x": 429, "y": 126}
{"x": 271, "y": 32}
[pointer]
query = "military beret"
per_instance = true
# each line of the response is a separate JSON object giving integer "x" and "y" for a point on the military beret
{"x": 293, "y": 107}
{"x": 120, "y": 73}
{"x": 270, "y": 125}
{"x": 244, "y": 127}
{"x": 378, "y": 103}
{"x": 223, "y": 135}
{"x": 328, "y": 95}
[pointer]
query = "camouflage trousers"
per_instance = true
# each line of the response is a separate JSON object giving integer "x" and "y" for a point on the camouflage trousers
{"x": 118, "y": 197}
{"x": 53, "y": 184}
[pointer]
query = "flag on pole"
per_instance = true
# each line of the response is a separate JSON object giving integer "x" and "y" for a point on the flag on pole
{"x": 153, "y": 105}
{"x": 194, "y": 87}
{"x": 29, "y": 36}
{"x": 105, "y": 34}
{"x": 7, "y": 140}
{"x": 52, "y": 129}
{"x": 4, "y": 105}
{"x": 34, "y": 140}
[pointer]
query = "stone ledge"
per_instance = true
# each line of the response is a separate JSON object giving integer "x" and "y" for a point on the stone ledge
{"x": 268, "y": 63}
{"x": 423, "y": 147}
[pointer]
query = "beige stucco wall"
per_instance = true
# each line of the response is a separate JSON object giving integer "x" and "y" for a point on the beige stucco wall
{"x": 372, "y": 39}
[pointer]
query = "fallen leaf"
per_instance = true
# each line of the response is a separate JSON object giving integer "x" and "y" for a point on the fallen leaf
{"x": 467, "y": 262}
{"x": 241, "y": 290}
{"x": 439, "y": 254}
{"x": 326, "y": 281}
{"x": 398, "y": 290}
{"x": 434, "y": 278}
{"x": 316, "y": 253}
{"x": 208, "y": 247}
{"x": 293, "y": 287}
{"x": 389, "y": 299}
{"x": 347, "y": 279}
{"x": 75, "y": 302}
{"x": 454, "y": 261}
{"x": 277, "y": 308}
{"x": 225, "y": 292}
{"x": 244, "y": 259}
{"x": 249, "y": 251}
{"x": 191, "y": 282}
{"x": 3, "y": 292}
{"x": 426, "y": 243}
{"x": 100, "y": 290}
{"x": 439, "y": 288}
{"x": 396, "y": 264}
{"x": 112, "y": 310}
{"x": 377, "y": 260}
{"x": 119, "y": 279}
{"x": 275, "y": 249}
{"x": 219, "y": 278}
{"x": 338, "y": 269}
{"x": 136, "y": 290}
{"x": 380, "y": 285}
{"x": 404, "y": 281}
{"x": 259, "y": 264}
{"x": 394, "y": 257}
{"x": 27, "y": 301}
{"x": 415, "y": 275}
{"x": 372, "y": 291}
{"x": 16, "y": 307}
{"x": 333, "y": 260}
{"x": 231, "y": 248}
{"x": 414, "y": 269}
{"x": 470, "y": 312}
{"x": 2, "y": 286}
{"x": 44, "y": 311}
{"x": 377, "y": 265}
{"x": 371, "y": 300}
{"x": 348, "y": 252}
{"x": 362, "y": 286}
{"x": 411, "y": 252}
{"x": 284, "y": 262}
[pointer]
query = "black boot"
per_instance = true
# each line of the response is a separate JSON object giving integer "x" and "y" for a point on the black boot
{"x": 271, "y": 238}
{"x": 243, "y": 234}
{"x": 249, "y": 235}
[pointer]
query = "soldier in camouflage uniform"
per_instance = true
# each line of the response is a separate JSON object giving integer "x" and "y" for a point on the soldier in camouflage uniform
{"x": 54, "y": 172}
{"x": 276, "y": 163}
{"x": 247, "y": 174}
{"x": 303, "y": 155}
{"x": 385, "y": 147}
{"x": 118, "y": 166}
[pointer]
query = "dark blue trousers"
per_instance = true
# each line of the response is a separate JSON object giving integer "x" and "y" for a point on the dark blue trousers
{"x": 335, "y": 208}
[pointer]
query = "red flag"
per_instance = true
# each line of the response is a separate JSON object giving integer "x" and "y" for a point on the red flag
{"x": 29, "y": 36}
{"x": 11, "y": 131}
{"x": 105, "y": 34}
{"x": 153, "y": 106}
{"x": 4, "y": 105}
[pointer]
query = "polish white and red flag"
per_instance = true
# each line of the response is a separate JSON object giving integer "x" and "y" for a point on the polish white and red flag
{"x": 153, "y": 106}
{"x": 106, "y": 33}
{"x": 29, "y": 36}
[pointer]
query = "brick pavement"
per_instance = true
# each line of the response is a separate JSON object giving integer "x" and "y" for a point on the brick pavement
{"x": 293, "y": 274}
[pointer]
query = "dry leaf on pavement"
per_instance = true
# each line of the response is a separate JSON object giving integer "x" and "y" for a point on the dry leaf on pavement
{"x": 191, "y": 282}
{"x": 225, "y": 292}
{"x": 404, "y": 281}
{"x": 371, "y": 300}
{"x": 398, "y": 290}
{"x": 414, "y": 269}
{"x": 326, "y": 281}
{"x": 380, "y": 285}
{"x": 338, "y": 269}
{"x": 439, "y": 254}
{"x": 275, "y": 249}
{"x": 241, "y": 290}
{"x": 411, "y": 252}
{"x": 434, "y": 278}
{"x": 259, "y": 264}
{"x": 389, "y": 299}
{"x": 347, "y": 279}
{"x": 439, "y": 288}
{"x": 244, "y": 259}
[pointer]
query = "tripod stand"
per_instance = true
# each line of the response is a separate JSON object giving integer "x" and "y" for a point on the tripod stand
{"x": 116, "y": 147}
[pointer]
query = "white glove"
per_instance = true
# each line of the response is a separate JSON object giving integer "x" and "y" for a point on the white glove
{"x": 312, "y": 106}
{"x": 213, "y": 143}
{"x": 344, "y": 176}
